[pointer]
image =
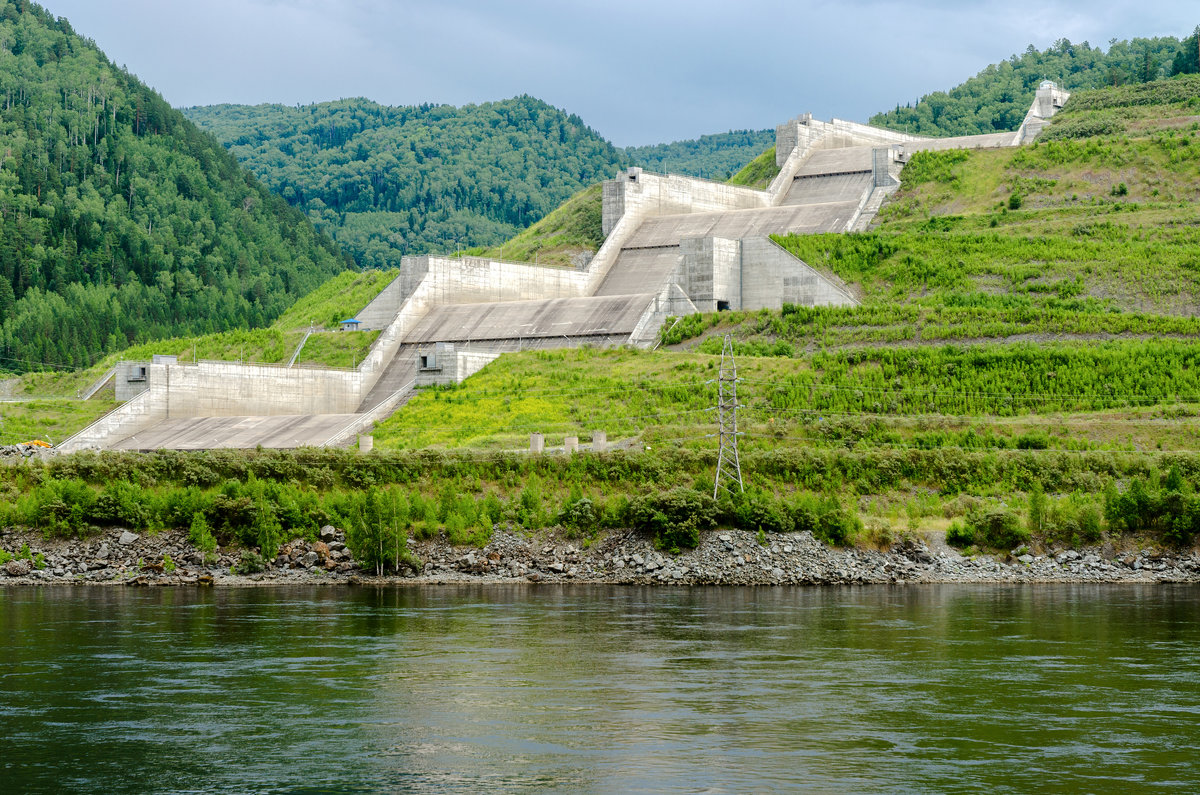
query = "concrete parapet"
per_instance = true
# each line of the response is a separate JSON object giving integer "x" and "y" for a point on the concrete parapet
{"x": 571, "y": 444}
{"x": 366, "y": 443}
{"x": 537, "y": 442}
{"x": 641, "y": 195}
{"x": 599, "y": 441}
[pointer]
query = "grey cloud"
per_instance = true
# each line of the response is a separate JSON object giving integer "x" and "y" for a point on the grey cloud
{"x": 639, "y": 71}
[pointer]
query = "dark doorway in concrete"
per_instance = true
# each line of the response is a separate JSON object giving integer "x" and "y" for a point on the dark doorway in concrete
{"x": 722, "y": 306}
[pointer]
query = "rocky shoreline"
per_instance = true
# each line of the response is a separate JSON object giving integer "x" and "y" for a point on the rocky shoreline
{"x": 725, "y": 557}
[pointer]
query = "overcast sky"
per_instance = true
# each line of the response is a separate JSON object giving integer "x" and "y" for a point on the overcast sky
{"x": 638, "y": 71}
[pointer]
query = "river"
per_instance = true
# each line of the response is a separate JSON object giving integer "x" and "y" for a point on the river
{"x": 956, "y": 688}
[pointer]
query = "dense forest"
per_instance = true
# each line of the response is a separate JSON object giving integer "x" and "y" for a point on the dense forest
{"x": 120, "y": 221}
{"x": 389, "y": 181}
{"x": 997, "y": 98}
{"x": 718, "y": 156}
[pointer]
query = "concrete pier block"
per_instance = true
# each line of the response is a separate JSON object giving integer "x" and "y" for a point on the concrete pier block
{"x": 537, "y": 442}
{"x": 571, "y": 444}
{"x": 599, "y": 441}
{"x": 366, "y": 443}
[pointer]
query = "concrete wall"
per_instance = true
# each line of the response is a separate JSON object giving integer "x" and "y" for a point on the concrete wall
{"x": 224, "y": 389}
{"x": 643, "y": 195}
{"x": 383, "y": 308}
{"x": 772, "y": 277}
{"x": 132, "y": 379}
{"x": 473, "y": 280}
{"x": 450, "y": 365}
{"x": 138, "y": 413}
{"x": 711, "y": 272}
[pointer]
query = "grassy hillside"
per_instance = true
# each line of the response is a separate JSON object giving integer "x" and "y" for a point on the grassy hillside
{"x": 1040, "y": 334}
{"x": 758, "y": 173}
{"x": 121, "y": 222}
{"x": 568, "y": 236}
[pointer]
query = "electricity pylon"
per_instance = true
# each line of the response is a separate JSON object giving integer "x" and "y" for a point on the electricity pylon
{"x": 729, "y": 468}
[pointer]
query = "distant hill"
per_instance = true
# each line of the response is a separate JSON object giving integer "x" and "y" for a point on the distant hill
{"x": 120, "y": 221}
{"x": 996, "y": 99}
{"x": 717, "y": 156}
{"x": 389, "y": 181}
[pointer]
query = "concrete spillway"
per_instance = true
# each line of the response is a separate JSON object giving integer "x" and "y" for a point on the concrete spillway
{"x": 247, "y": 433}
{"x": 673, "y": 245}
{"x": 554, "y": 318}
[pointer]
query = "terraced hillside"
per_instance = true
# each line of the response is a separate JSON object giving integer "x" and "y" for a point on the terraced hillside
{"x": 1040, "y": 298}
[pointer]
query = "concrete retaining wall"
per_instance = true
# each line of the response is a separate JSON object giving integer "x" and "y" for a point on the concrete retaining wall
{"x": 136, "y": 414}
{"x": 383, "y": 308}
{"x": 224, "y": 389}
{"x": 772, "y": 277}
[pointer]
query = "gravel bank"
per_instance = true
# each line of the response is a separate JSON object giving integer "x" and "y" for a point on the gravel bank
{"x": 725, "y": 557}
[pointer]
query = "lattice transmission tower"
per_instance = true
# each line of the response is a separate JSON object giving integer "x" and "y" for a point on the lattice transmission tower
{"x": 729, "y": 467}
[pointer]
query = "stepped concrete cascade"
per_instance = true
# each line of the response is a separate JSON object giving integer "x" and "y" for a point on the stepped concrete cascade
{"x": 673, "y": 245}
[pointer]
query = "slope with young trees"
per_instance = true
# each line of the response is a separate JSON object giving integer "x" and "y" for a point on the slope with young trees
{"x": 120, "y": 221}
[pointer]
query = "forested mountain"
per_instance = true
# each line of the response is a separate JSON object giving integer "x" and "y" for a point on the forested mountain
{"x": 120, "y": 221}
{"x": 997, "y": 98}
{"x": 717, "y": 156}
{"x": 389, "y": 181}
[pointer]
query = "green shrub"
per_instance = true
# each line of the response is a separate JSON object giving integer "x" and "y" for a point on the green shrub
{"x": 674, "y": 519}
{"x": 580, "y": 516}
{"x": 762, "y": 512}
{"x": 250, "y": 562}
{"x": 201, "y": 536}
{"x": 998, "y": 528}
{"x": 958, "y": 534}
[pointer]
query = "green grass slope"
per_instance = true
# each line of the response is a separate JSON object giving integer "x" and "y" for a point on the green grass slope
{"x": 567, "y": 237}
{"x": 758, "y": 173}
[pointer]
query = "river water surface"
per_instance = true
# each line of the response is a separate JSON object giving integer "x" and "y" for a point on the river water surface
{"x": 601, "y": 689}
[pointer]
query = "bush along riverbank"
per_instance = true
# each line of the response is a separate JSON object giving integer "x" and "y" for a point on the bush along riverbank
{"x": 806, "y": 517}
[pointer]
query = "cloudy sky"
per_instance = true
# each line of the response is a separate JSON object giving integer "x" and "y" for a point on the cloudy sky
{"x": 639, "y": 71}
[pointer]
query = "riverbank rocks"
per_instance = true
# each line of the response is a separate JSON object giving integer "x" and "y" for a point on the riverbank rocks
{"x": 726, "y": 557}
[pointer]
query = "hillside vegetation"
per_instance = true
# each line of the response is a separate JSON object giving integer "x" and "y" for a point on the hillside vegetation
{"x": 997, "y": 98}
{"x": 121, "y": 222}
{"x": 709, "y": 156}
{"x": 1026, "y": 347}
{"x": 389, "y": 181}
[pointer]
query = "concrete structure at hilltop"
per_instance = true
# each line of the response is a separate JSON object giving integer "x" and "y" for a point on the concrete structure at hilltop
{"x": 673, "y": 246}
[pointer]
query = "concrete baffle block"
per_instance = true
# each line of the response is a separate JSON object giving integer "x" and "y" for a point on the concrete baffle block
{"x": 366, "y": 443}
{"x": 537, "y": 442}
{"x": 599, "y": 441}
{"x": 571, "y": 444}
